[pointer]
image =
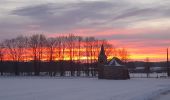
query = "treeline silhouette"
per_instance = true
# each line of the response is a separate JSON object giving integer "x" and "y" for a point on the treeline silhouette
{"x": 62, "y": 55}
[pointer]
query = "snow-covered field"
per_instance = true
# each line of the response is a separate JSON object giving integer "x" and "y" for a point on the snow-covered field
{"x": 67, "y": 88}
{"x": 162, "y": 96}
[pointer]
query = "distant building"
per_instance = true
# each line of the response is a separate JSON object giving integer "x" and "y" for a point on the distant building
{"x": 113, "y": 69}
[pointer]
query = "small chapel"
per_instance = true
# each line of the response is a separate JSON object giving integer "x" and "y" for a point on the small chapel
{"x": 112, "y": 69}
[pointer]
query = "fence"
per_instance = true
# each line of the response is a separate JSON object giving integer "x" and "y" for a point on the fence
{"x": 151, "y": 75}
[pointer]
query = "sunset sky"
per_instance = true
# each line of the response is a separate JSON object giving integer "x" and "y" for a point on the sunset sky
{"x": 141, "y": 26}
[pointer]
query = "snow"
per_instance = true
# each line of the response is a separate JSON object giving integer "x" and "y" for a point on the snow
{"x": 117, "y": 64}
{"x": 163, "y": 96}
{"x": 113, "y": 61}
{"x": 68, "y": 88}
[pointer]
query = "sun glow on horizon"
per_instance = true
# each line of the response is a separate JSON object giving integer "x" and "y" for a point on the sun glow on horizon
{"x": 88, "y": 57}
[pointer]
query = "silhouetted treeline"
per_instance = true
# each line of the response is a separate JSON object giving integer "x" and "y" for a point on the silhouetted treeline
{"x": 41, "y": 48}
{"x": 38, "y": 53}
{"x": 59, "y": 68}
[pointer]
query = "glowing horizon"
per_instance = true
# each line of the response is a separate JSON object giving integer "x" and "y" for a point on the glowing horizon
{"x": 134, "y": 55}
{"x": 139, "y": 49}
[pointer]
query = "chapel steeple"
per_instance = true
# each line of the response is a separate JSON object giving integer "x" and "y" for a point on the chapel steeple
{"x": 102, "y": 59}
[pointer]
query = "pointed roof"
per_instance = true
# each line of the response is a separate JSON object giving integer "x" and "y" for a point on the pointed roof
{"x": 102, "y": 56}
{"x": 102, "y": 51}
{"x": 115, "y": 62}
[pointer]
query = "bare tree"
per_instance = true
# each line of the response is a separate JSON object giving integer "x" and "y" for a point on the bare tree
{"x": 1, "y": 52}
{"x": 86, "y": 46}
{"x": 63, "y": 45}
{"x": 109, "y": 49}
{"x": 89, "y": 44}
{"x": 42, "y": 46}
{"x": 123, "y": 54}
{"x": 37, "y": 43}
{"x": 63, "y": 41}
{"x": 15, "y": 49}
{"x": 1, "y": 58}
{"x": 33, "y": 43}
{"x": 70, "y": 46}
{"x": 80, "y": 40}
{"x": 91, "y": 48}
{"x": 96, "y": 51}
{"x": 51, "y": 44}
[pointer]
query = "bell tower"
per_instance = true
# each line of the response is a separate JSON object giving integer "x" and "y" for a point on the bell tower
{"x": 102, "y": 58}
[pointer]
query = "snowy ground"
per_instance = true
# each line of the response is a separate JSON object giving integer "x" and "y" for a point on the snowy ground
{"x": 45, "y": 88}
{"x": 165, "y": 96}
